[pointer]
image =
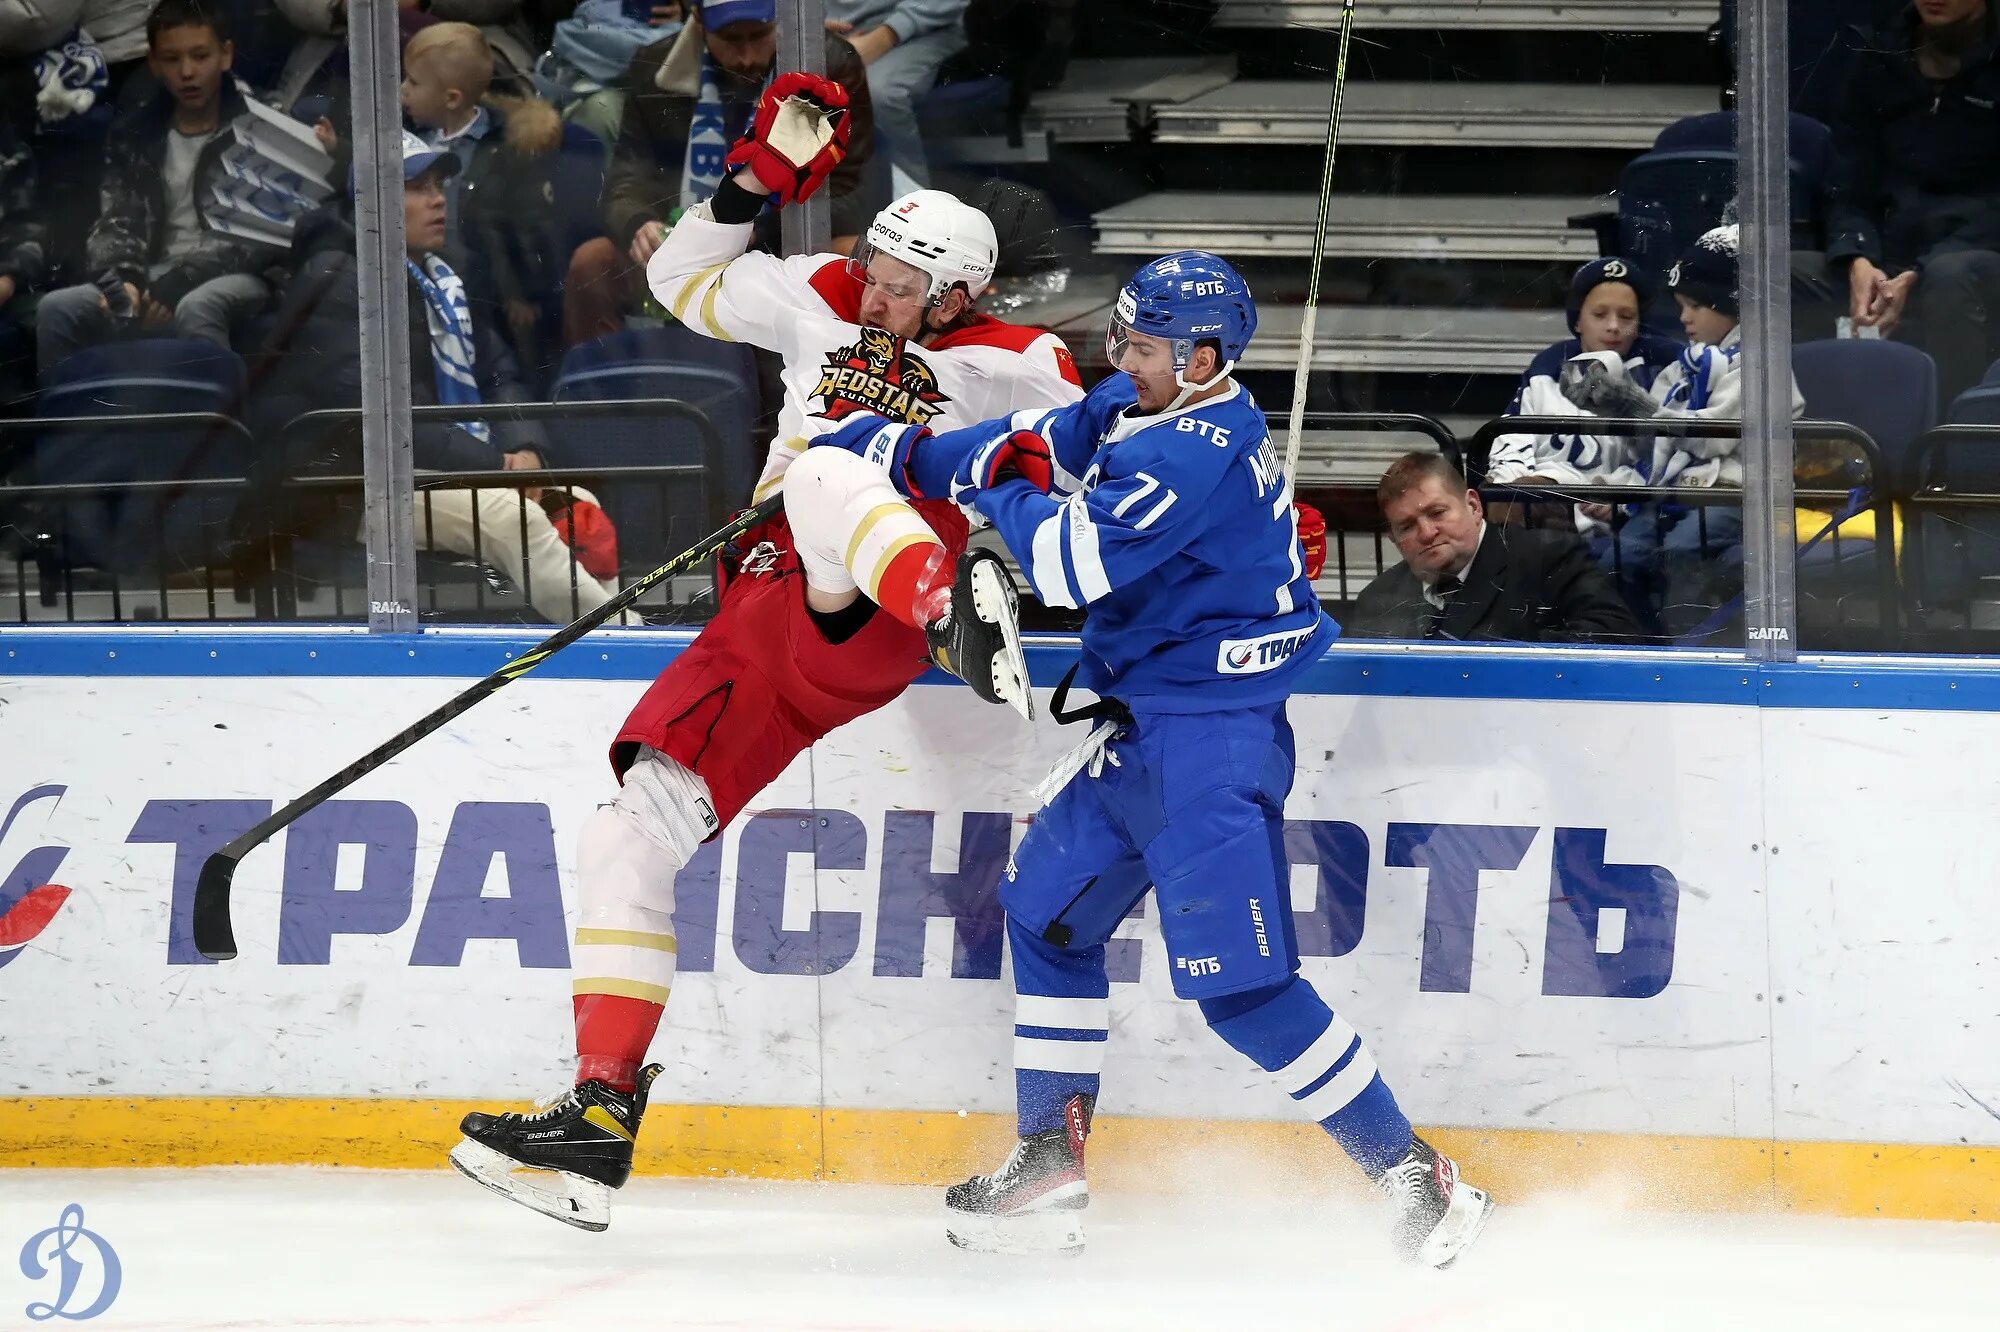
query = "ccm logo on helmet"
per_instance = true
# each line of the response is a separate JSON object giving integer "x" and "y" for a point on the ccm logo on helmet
{"x": 1249, "y": 656}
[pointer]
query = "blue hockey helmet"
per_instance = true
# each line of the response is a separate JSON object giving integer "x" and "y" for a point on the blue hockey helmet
{"x": 1187, "y": 298}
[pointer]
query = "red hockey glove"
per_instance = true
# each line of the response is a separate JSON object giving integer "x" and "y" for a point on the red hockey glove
{"x": 1021, "y": 454}
{"x": 1312, "y": 538}
{"x": 797, "y": 138}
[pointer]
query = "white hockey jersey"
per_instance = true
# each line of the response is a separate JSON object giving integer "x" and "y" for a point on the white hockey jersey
{"x": 807, "y": 308}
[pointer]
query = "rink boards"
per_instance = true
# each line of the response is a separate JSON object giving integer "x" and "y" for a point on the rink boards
{"x": 1727, "y": 933}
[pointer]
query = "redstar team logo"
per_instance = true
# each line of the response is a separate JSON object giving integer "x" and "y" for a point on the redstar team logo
{"x": 879, "y": 373}
{"x": 28, "y": 901}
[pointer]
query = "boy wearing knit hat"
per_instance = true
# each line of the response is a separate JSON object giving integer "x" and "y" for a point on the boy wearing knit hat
{"x": 1608, "y": 297}
{"x": 1663, "y": 555}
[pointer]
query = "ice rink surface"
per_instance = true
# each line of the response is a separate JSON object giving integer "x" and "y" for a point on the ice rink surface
{"x": 302, "y": 1248}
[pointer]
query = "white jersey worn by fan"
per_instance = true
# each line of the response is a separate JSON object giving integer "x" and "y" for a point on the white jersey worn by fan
{"x": 807, "y": 309}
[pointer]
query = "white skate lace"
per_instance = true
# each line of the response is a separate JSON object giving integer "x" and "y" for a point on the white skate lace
{"x": 1000, "y": 1179}
{"x": 548, "y": 1107}
{"x": 1093, "y": 753}
{"x": 1400, "y": 1183}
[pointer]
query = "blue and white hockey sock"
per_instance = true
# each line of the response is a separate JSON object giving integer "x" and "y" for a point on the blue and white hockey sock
{"x": 1321, "y": 1063}
{"x": 1062, "y": 1022}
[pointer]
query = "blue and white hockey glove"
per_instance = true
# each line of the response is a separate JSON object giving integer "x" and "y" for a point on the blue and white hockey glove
{"x": 1010, "y": 455}
{"x": 882, "y": 442}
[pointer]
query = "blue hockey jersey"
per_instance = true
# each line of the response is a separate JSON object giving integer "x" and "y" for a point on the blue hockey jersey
{"x": 1175, "y": 532}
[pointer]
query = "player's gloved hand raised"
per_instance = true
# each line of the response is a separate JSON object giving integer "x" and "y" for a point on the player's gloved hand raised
{"x": 1010, "y": 455}
{"x": 797, "y": 137}
{"x": 882, "y": 442}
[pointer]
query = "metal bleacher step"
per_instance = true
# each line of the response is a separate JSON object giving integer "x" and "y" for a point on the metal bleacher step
{"x": 1096, "y": 101}
{"x": 1358, "y": 458}
{"x": 1373, "y": 226}
{"x": 1431, "y": 114}
{"x": 1408, "y": 340}
{"x": 1476, "y": 15}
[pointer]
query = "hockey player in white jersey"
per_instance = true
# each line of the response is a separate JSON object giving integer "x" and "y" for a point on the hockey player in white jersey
{"x": 1160, "y": 507}
{"x": 827, "y": 611}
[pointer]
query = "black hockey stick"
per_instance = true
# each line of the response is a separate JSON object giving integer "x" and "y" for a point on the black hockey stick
{"x": 215, "y": 936}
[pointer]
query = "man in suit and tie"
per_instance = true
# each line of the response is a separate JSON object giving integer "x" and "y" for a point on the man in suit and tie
{"x": 1464, "y": 579}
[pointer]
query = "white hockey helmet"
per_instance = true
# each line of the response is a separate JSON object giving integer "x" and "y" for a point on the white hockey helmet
{"x": 951, "y": 241}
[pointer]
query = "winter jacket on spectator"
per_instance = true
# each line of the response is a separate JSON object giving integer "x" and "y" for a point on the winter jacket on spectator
{"x": 506, "y": 195}
{"x": 23, "y": 234}
{"x": 644, "y": 184}
{"x": 132, "y": 219}
{"x": 1917, "y": 161}
{"x": 1569, "y": 459}
{"x": 118, "y": 27}
{"x": 908, "y": 19}
{"x": 29, "y": 27}
{"x": 313, "y": 360}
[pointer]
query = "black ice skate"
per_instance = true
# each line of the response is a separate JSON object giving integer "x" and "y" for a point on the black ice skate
{"x": 1438, "y": 1215}
{"x": 564, "y": 1159}
{"x": 978, "y": 638}
{"x": 1032, "y": 1204}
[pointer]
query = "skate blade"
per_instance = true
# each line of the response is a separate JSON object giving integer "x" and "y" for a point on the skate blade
{"x": 991, "y": 599}
{"x": 570, "y": 1199}
{"x": 1461, "y": 1225}
{"x": 1024, "y": 1234}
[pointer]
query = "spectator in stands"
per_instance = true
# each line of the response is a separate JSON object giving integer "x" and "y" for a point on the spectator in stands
{"x": 1464, "y": 579}
{"x": 154, "y": 266}
{"x": 1915, "y": 207}
{"x": 690, "y": 98}
{"x": 902, "y": 42}
{"x": 1671, "y": 564}
{"x": 502, "y": 204}
{"x": 23, "y": 231}
{"x": 314, "y": 361}
{"x": 1606, "y": 298}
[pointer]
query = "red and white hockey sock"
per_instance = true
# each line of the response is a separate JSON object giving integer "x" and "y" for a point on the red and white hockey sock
{"x": 623, "y": 960}
{"x": 853, "y": 530}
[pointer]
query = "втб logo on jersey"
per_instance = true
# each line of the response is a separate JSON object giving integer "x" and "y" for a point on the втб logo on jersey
{"x": 879, "y": 373}
{"x": 28, "y": 901}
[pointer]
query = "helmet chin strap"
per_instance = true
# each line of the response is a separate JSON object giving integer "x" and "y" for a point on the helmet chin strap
{"x": 1189, "y": 390}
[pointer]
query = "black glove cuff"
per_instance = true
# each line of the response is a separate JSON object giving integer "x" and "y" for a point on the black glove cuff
{"x": 733, "y": 204}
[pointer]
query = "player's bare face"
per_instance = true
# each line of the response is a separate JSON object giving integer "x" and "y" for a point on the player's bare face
{"x": 1609, "y": 318}
{"x": 1435, "y": 526}
{"x": 1149, "y": 363}
{"x": 894, "y": 296}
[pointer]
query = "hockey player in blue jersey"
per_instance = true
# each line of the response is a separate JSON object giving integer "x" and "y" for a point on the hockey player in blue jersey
{"x": 1159, "y": 506}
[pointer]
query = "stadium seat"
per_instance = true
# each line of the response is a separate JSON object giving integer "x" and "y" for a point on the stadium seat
{"x": 156, "y": 534}
{"x": 719, "y": 378}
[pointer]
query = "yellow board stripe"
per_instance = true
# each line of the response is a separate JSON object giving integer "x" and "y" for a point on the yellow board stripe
{"x": 666, "y": 943}
{"x": 1947, "y": 1183}
{"x": 622, "y": 989}
{"x": 692, "y": 285}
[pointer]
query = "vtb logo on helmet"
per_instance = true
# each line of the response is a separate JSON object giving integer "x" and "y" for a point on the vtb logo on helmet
{"x": 1187, "y": 298}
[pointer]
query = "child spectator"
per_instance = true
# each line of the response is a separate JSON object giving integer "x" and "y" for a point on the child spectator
{"x": 502, "y": 211}
{"x": 1665, "y": 555}
{"x": 154, "y": 265}
{"x": 1606, "y": 300}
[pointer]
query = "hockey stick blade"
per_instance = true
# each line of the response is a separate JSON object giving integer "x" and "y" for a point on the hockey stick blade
{"x": 215, "y": 933}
